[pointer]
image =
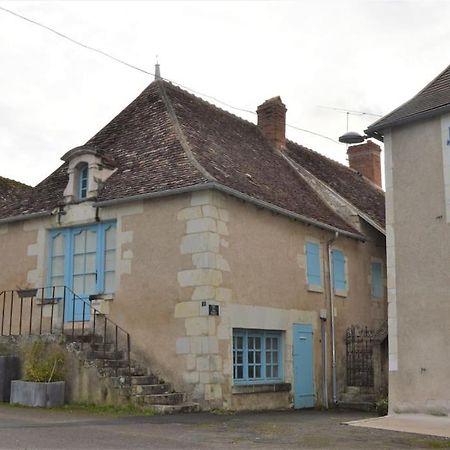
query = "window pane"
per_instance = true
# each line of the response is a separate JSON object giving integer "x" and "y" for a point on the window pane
{"x": 91, "y": 241}
{"x": 275, "y": 372}
{"x": 90, "y": 284}
{"x": 251, "y": 371}
{"x": 268, "y": 372}
{"x": 58, "y": 245}
{"x": 258, "y": 372}
{"x": 240, "y": 342}
{"x": 78, "y": 264}
{"x": 268, "y": 357}
{"x": 78, "y": 284}
{"x": 275, "y": 357}
{"x": 91, "y": 263}
{"x": 251, "y": 343}
{"x": 79, "y": 242}
{"x": 58, "y": 266}
{"x": 258, "y": 342}
{"x": 57, "y": 281}
{"x": 250, "y": 357}
{"x": 240, "y": 372}
{"x": 258, "y": 357}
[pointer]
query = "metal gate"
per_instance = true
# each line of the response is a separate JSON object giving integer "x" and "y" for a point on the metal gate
{"x": 359, "y": 343}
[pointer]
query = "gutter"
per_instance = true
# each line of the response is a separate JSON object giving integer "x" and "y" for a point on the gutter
{"x": 226, "y": 190}
{"x": 24, "y": 217}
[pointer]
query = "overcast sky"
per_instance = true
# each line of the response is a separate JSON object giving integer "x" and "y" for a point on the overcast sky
{"x": 366, "y": 56}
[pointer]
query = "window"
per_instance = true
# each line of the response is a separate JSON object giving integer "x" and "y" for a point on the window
{"x": 339, "y": 272}
{"x": 257, "y": 356}
{"x": 83, "y": 258}
{"x": 83, "y": 181}
{"x": 313, "y": 272}
{"x": 377, "y": 279}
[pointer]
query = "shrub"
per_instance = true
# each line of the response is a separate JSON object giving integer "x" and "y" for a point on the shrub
{"x": 382, "y": 406}
{"x": 44, "y": 363}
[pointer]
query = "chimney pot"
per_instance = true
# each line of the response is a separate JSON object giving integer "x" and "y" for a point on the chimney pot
{"x": 272, "y": 122}
{"x": 365, "y": 158}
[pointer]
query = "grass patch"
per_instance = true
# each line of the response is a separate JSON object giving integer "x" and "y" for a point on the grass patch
{"x": 222, "y": 412}
{"x": 91, "y": 408}
{"x": 433, "y": 443}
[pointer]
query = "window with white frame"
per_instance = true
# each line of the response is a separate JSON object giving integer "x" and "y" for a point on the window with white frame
{"x": 257, "y": 356}
{"x": 376, "y": 269}
{"x": 313, "y": 269}
{"x": 339, "y": 271}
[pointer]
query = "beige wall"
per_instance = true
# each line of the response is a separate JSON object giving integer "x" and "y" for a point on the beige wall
{"x": 419, "y": 279}
{"x": 177, "y": 252}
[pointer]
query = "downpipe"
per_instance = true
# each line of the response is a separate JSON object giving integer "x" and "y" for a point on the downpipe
{"x": 332, "y": 318}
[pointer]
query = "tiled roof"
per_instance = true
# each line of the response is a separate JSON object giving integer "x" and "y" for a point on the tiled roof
{"x": 11, "y": 190}
{"x": 348, "y": 183}
{"x": 168, "y": 139}
{"x": 434, "y": 98}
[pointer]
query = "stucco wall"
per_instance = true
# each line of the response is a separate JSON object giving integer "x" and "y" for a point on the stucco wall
{"x": 176, "y": 253}
{"x": 419, "y": 279}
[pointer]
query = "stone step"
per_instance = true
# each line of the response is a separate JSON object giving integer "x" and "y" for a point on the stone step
{"x": 358, "y": 406}
{"x": 112, "y": 363}
{"x": 112, "y": 355}
{"x": 150, "y": 389}
{"x": 134, "y": 371}
{"x": 144, "y": 379}
{"x": 103, "y": 346}
{"x": 174, "y": 398}
{"x": 185, "y": 407}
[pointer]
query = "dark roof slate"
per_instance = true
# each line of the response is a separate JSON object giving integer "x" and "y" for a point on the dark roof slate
{"x": 168, "y": 138}
{"x": 11, "y": 190}
{"x": 434, "y": 98}
{"x": 348, "y": 183}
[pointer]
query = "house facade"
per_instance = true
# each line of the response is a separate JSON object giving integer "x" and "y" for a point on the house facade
{"x": 239, "y": 262}
{"x": 417, "y": 146}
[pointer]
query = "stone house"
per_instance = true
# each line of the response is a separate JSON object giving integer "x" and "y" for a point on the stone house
{"x": 218, "y": 245}
{"x": 417, "y": 144}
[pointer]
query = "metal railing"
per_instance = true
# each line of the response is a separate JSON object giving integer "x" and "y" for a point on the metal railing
{"x": 58, "y": 310}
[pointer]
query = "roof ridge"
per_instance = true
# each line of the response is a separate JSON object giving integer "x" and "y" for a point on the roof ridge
{"x": 333, "y": 161}
{"x": 179, "y": 133}
{"x": 196, "y": 97}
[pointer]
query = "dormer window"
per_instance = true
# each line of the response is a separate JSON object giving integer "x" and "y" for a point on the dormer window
{"x": 87, "y": 169}
{"x": 83, "y": 177}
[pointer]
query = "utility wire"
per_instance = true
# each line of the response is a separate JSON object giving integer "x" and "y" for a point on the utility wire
{"x": 132, "y": 66}
{"x": 349, "y": 111}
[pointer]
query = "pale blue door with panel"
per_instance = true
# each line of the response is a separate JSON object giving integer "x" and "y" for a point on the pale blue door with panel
{"x": 303, "y": 365}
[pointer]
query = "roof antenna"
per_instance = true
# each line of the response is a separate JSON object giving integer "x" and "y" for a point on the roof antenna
{"x": 157, "y": 70}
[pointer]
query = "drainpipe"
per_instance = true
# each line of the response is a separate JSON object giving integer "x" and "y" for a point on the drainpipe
{"x": 333, "y": 331}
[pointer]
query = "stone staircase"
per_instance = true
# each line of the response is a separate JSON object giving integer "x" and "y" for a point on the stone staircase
{"x": 358, "y": 398}
{"x": 134, "y": 383}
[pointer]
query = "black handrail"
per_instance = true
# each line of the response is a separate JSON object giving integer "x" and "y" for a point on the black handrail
{"x": 14, "y": 311}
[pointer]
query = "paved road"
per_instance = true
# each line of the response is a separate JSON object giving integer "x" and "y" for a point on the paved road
{"x": 22, "y": 428}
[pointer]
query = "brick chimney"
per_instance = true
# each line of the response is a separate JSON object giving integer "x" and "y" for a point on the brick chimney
{"x": 272, "y": 122}
{"x": 365, "y": 158}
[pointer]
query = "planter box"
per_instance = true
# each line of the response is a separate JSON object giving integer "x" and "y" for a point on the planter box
{"x": 30, "y": 393}
{"x": 9, "y": 370}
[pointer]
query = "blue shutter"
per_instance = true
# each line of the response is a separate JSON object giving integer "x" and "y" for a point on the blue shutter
{"x": 313, "y": 264}
{"x": 377, "y": 280}
{"x": 340, "y": 283}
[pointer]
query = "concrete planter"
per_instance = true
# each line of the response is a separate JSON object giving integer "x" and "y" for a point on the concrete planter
{"x": 9, "y": 370}
{"x": 30, "y": 393}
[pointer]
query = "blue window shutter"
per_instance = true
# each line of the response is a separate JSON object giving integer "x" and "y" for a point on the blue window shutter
{"x": 83, "y": 181}
{"x": 313, "y": 264}
{"x": 377, "y": 280}
{"x": 340, "y": 282}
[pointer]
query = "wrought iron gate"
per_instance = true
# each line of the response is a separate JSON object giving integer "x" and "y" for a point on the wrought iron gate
{"x": 359, "y": 343}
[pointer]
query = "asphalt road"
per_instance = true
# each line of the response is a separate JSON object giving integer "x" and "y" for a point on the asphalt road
{"x": 23, "y": 428}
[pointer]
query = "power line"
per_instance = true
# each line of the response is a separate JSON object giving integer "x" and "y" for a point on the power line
{"x": 132, "y": 66}
{"x": 349, "y": 111}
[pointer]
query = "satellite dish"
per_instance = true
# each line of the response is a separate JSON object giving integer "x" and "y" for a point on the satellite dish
{"x": 352, "y": 137}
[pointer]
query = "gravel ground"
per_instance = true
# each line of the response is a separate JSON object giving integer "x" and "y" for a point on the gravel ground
{"x": 23, "y": 428}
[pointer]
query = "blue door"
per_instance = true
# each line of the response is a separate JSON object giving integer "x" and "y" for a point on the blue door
{"x": 303, "y": 366}
{"x": 82, "y": 259}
